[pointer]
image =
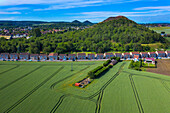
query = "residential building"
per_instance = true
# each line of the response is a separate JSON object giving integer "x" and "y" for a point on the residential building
{"x": 14, "y": 56}
{"x": 152, "y": 54}
{"x": 43, "y": 57}
{"x": 81, "y": 55}
{"x": 99, "y": 56}
{"x": 71, "y": 56}
{"x": 118, "y": 55}
{"x": 108, "y": 55}
{"x": 144, "y": 54}
{"x": 24, "y": 56}
{"x": 53, "y": 56}
{"x": 34, "y": 56}
{"x": 91, "y": 56}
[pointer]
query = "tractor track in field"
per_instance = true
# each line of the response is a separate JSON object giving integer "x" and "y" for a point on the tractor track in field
{"x": 146, "y": 76}
{"x": 139, "y": 104}
{"x": 54, "y": 84}
{"x": 7, "y": 85}
{"x": 99, "y": 93}
{"x": 99, "y": 100}
{"x": 58, "y": 103}
{"x": 166, "y": 87}
{"x": 32, "y": 91}
{"x": 10, "y": 69}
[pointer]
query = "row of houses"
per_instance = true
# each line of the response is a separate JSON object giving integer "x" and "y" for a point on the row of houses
{"x": 81, "y": 56}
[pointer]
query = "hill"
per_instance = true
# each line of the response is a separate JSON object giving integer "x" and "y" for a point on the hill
{"x": 87, "y": 22}
{"x": 115, "y": 34}
{"x": 76, "y": 21}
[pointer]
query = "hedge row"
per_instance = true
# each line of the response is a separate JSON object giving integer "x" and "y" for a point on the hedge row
{"x": 115, "y": 58}
{"x": 92, "y": 72}
{"x": 100, "y": 72}
{"x": 106, "y": 63}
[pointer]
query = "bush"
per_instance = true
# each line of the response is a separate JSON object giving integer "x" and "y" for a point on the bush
{"x": 118, "y": 59}
{"x": 92, "y": 72}
{"x": 106, "y": 63}
{"x": 110, "y": 66}
{"x": 100, "y": 72}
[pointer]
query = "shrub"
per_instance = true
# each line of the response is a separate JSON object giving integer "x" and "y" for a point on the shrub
{"x": 92, "y": 72}
{"x": 106, "y": 63}
{"x": 100, "y": 72}
{"x": 110, "y": 66}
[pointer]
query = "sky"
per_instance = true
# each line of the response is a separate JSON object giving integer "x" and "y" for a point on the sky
{"x": 141, "y": 11}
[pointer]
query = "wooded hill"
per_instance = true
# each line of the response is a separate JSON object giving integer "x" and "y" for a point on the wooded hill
{"x": 116, "y": 33}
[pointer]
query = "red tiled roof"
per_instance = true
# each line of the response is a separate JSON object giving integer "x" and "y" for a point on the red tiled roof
{"x": 135, "y": 52}
{"x": 99, "y": 54}
{"x": 168, "y": 51}
{"x": 81, "y": 54}
{"x": 42, "y": 54}
{"x": 152, "y": 52}
{"x": 90, "y": 54}
{"x": 71, "y": 54}
{"x": 53, "y": 54}
{"x": 108, "y": 53}
{"x": 161, "y": 51}
{"x": 126, "y": 53}
{"x": 136, "y": 56}
{"x": 118, "y": 53}
{"x": 144, "y": 52}
{"x": 150, "y": 59}
{"x": 62, "y": 54}
{"x": 24, "y": 53}
{"x": 4, "y": 53}
{"x": 14, "y": 54}
{"x": 34, "y": 54}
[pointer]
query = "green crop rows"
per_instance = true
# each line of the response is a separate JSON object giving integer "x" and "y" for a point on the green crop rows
{"x": 47, "y": 87}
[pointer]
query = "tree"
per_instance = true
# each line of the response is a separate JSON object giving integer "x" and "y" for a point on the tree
{"x": 36, "y": 32}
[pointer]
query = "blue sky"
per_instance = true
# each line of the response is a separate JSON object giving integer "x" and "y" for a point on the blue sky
{"x": 141, "y": 11}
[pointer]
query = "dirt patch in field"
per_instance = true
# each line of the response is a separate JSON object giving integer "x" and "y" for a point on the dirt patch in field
{"x": 163, "y": 67}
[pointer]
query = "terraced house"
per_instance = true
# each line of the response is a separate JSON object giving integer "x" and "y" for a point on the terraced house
{"x": 144, "y": 54}
{"x": 24, "y": 56}
{"x": 167, "y": 54}
{"x": 152, "y": 54}
{"x": 108, "y": 55}
{"x": 4, "y": 56}
{"x": 134, "y": 53}
{"x": 126, "y": 55}
{"x": 43, "y": 57}
{"x": 160, "y": 53}
{"x": 34, "y": 56}
{"x": 118, "y": 55}
{"x": 91, "y": 56}
{"x": 14, "y": 56}
{"x": 99, "y": 56}
{"x": 81, "y": 56}
{"x": 71, "y": 56}
{"x": 62, "y": 56}
{"x": 53, "y": 56}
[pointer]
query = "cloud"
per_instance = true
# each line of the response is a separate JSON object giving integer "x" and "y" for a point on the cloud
{"x": 4, "y": 12}
{"x": 100, "y": 15}
{"x": 8, "y": 18}
{"x": 16, "y": 8}
{"x": 166, "y": 8}
{"x": 21, "y": 2}
{"x": 72, "y": 5}
{"x": 83, "y": 3}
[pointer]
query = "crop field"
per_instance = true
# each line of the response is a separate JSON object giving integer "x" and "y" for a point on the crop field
{"x": 47, "y": 87}
{"x": 161, "y": 29}
{"x": 163, "y": 67}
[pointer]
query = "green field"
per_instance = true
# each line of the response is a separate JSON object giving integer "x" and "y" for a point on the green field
{"x": 161, "y": 29}
{"x": 47, "y": 87}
